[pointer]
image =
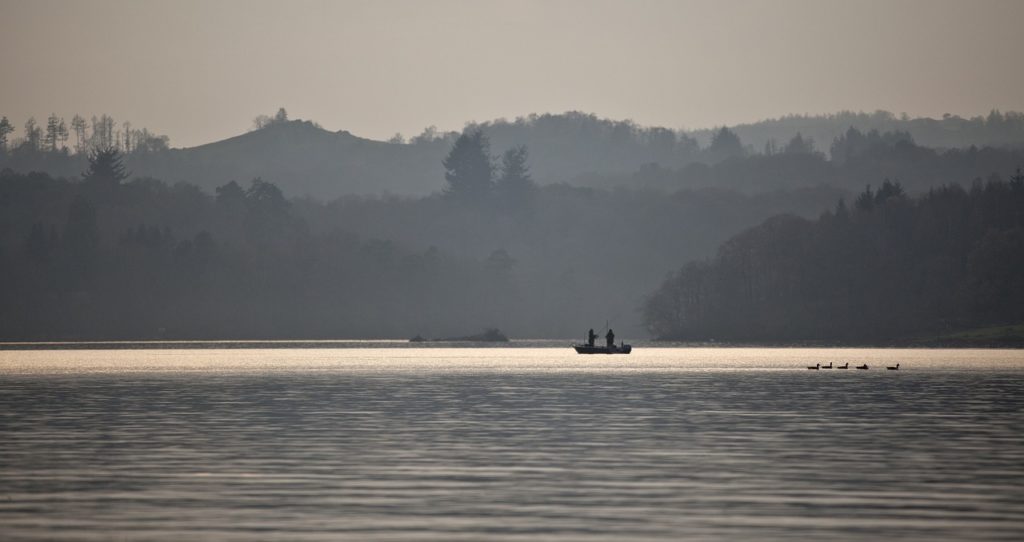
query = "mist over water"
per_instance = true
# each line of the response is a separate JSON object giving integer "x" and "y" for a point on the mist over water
{"x": 510, "y": 444}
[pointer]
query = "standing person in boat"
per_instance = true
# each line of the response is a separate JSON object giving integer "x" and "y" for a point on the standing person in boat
{"x": 611, "y": 338}
{"x": 591, "y": 337}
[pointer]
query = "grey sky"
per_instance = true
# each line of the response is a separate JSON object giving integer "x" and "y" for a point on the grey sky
{"x": 201, "y": 70}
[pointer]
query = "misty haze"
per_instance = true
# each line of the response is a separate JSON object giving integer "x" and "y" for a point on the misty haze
{"x": 325, "y": 270}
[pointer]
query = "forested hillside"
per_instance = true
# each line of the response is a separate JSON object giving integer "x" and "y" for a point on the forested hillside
{"x": 888, "y": 268}
{"x": 105, "y": 257}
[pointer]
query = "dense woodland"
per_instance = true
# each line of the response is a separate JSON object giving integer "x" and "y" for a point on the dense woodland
{"x": 92, "y": 246}
{"x": 888, "y": 268}
{"x": 103, "y": 257}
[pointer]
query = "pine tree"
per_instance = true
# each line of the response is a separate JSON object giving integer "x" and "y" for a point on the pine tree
{"x": 105, "y": 168}
{"x": 468, "y": 167}
{"x": 515, "y": 186}
{"x": 799, "y": 145}
{"x": 725, "y": 144}
{"x": 62, "y": 134}
{"x": 53, "y": 125}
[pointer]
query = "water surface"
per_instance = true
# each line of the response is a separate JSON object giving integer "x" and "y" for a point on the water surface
{"x": 510, "y": 444}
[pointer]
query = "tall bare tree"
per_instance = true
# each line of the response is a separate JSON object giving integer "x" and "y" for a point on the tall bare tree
{"x": 5, "y": 130}
{"x": 56, "y": 132}
{"x": 102, "y": 132}
{"x": 79, "y": 125}
{"x": 126, "y": 132}
{"x": 62, "y": 134}
{"x": 33, "y": 134}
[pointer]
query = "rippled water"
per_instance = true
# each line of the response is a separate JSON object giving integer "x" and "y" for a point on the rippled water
{"x": 510, "y": 444}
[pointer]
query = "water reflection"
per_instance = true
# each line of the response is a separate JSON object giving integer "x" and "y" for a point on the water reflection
{"x": 509, "y": 445}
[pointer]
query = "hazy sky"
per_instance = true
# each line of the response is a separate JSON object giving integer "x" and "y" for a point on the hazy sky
{"x": 201, "y": 70}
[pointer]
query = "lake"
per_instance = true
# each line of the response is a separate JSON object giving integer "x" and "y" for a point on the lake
{"x": 510, "y": 444}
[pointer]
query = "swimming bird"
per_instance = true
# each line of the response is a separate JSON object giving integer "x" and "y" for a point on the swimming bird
{"x": 896, "y": 368}
{"x": 829, "y": 366}
{"x": 847, "y": 366}
{"x": 864, "y": 367}
{"x": 816, "y": 367}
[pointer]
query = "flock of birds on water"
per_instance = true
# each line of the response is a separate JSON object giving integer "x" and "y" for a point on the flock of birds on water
{"x": 818, "y": 366}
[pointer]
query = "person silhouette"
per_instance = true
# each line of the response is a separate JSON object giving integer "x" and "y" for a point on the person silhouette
{"x": 591, "y": 337}
{"x": 610, "y": 337}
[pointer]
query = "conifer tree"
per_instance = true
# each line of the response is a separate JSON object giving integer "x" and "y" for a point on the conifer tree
{"x": 515, "y": 185}
{"x": 468, "y": 167}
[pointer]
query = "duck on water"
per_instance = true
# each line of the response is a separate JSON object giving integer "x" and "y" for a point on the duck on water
{"x": 818, "y": 366}
{"x": 609, "y": 348}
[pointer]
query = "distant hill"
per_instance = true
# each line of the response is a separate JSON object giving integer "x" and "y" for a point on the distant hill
{"x": 304, "y": 159}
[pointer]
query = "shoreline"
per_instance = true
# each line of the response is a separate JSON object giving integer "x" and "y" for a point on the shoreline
{"x": 515, "y": 343}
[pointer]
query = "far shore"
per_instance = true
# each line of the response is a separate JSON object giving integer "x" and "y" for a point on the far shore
{"x": 938, "y": 343}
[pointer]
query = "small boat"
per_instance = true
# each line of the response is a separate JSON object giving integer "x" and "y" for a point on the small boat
{"x": 863, "y": 367}
{"x": 847, "y": 366}
{"x": 829, "y": 366}
{"x": 896, "y": 368}
{"x": 816, "y": 367}
{"x": 613, "y": 349}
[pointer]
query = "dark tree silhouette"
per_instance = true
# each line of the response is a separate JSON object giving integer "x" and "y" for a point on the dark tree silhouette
{"x": 264, "y": 121}
{"x": 889, "y": 190}
{"x": 267, "y": 219}
{"x": 265, "y": 197}
{"x": 725, "y": 144}
{"x": 515, "y": 186}
{"x": 230, "y": 193}
{"x": 468, "y": 167}
{"x": 106, "y": 168}
{"x": 799, "y": 145}
{"x": 866, "y": 200}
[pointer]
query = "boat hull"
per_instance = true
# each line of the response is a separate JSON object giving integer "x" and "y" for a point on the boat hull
{"x": 585, "y": 349}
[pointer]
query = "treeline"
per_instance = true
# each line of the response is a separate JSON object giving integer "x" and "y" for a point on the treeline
{"x": 61, "y": 147}
{"x": 572, "y": 146}
{"x": 846, "y": 150}
{"x": 106, "y": 259}
{"x": 79, "y": 136}
{"x": 857, "y": 158}
{"x": 889, "y": 268}
{"x": 996, "y": 129}
{"x": 105, "y": 256}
